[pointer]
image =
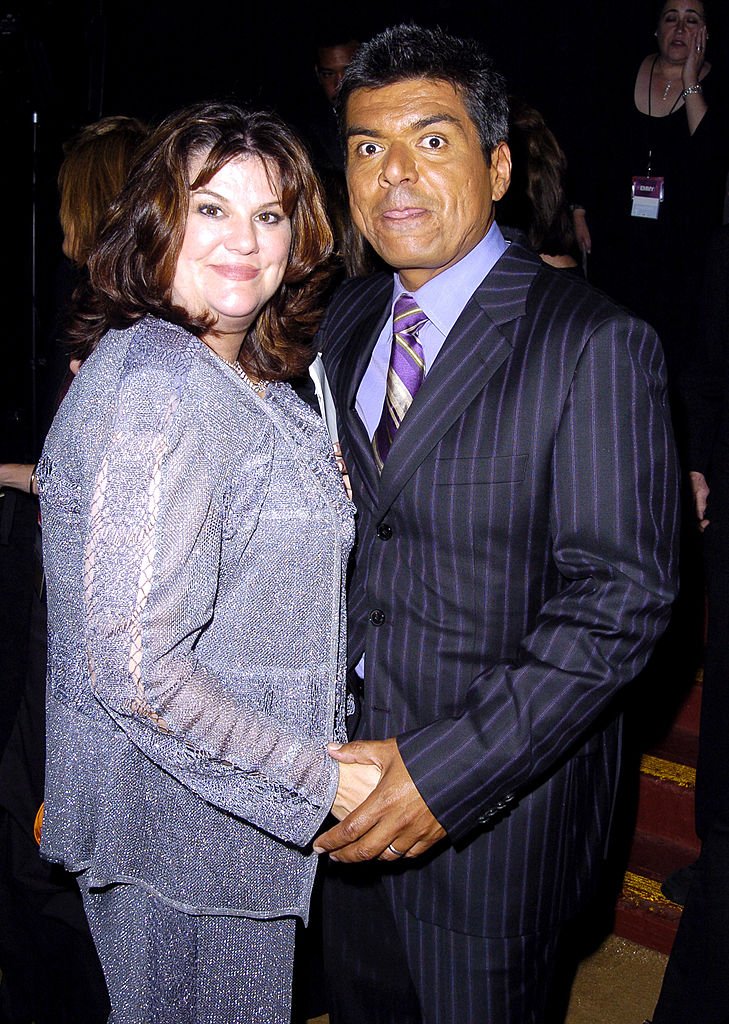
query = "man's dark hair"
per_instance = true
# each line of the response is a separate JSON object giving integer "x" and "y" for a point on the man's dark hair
{"x": 406, "y": 52}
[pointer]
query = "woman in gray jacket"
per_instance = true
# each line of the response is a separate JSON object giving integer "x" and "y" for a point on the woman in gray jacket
{"x": 196, "y": 533}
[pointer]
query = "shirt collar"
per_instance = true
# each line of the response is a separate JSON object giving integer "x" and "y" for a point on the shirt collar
{"x": 444, "y": 297}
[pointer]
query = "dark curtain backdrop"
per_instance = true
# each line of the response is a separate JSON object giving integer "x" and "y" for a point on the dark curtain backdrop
{"x": 64, "y": 63}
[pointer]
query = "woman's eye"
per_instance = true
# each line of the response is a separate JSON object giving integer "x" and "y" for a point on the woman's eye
{"x": 210, "y": 210}
{"x": 269, "y": 217}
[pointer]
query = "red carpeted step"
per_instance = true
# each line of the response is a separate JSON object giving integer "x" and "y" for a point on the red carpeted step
{"x": 682, "y": 742}
{"x": 666, "y": 801}
{"x": 664, "y": 839}
{"x": 680, "y": 746}
{"x": 656, "y": 858}
{"x": 644, "y": 915}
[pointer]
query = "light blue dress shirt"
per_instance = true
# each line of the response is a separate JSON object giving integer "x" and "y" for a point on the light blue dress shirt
{"x": 442, "y": 299}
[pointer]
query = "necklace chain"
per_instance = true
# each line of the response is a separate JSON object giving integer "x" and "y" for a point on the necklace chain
{"x": 665, "y": 92}
{"x": 257, "y": 385}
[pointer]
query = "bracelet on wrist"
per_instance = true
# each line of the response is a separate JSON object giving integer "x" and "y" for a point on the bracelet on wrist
{"x": 31, "y": 481}
{"x": 691, "y": 90}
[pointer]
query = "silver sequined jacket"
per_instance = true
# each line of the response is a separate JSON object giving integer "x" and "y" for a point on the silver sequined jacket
{"x": 195, "y": 539}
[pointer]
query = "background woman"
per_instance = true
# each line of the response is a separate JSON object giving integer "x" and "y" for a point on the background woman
{"x": 535, "y": 202}
{"x": 95, "y": 166}
{"x": 669, "y": 124}
{"x": 196, "y": 532}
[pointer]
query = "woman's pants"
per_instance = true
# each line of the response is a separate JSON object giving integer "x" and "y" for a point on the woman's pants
{"x": 163, "y": 966}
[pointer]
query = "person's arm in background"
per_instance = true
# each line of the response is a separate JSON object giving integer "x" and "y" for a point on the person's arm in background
{"x": 703, "y": 384}
{"x": 20, "y": 475}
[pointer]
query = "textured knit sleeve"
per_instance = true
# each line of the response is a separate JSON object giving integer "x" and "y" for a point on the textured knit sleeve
{"x": 152, "y": 564}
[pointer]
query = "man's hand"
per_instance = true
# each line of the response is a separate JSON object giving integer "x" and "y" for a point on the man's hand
{"x": 700, "y": 491}
{"x": 393, "y": 817}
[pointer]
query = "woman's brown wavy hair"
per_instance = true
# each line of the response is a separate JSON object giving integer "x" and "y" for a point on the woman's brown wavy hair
{"x": 132, "y": 267}
{"x": 535, "y": 202}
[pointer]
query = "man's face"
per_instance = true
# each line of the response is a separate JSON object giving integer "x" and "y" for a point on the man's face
{"x": 420, "y": 188}
{"x": 331, "y": 63}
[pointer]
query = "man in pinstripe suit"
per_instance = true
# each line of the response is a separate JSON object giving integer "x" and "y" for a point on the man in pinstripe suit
{"x": 515, "y": 565}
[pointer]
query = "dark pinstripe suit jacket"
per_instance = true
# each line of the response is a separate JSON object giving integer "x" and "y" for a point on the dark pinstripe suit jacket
{"x": 515, "y": 565}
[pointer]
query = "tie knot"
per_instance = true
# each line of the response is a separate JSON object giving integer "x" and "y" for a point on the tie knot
{"x": 407, "y": 317}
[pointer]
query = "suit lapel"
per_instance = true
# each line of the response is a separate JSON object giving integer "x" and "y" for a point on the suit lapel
{"x": 354, "y": 362}
{"x": 476, "y": 347}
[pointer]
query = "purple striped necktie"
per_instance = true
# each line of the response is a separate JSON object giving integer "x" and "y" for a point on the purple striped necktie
{"x": 404, "y": 375}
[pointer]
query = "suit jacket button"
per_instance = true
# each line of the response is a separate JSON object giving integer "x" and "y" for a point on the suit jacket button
{"x": 377, "y": 617}
{"x": 384, "y": 531}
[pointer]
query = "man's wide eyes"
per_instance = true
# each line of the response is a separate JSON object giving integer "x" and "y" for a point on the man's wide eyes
{"x": 431, "y": 142}
{"x": 368, "y": 148}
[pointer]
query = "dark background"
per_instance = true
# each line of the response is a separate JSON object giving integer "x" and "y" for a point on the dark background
{"x": 64, "y": 63}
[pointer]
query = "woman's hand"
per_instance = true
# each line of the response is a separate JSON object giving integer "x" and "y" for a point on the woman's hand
{"x": 694, "y": 103}
{"x": 343, "y": 468}
{"x": 695, "y": 60}
{"x": 356, "y": 782}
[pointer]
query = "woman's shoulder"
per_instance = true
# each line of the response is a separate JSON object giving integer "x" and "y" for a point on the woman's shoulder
{"x": 153, "y": 345}
{"x": 163, "y": 374}
{"x": 149, "y": 366}
{"x": 645, "y": 66}
{"x": 152, "y": 354}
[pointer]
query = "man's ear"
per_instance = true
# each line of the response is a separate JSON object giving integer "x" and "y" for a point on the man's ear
{"x": 500, "y": 170}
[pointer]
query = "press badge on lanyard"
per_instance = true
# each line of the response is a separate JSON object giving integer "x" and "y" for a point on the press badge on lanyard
{"x": 647, "y": 197}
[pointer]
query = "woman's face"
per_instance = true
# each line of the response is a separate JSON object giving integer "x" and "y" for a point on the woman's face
{"x": 678, "y": 24}
{"x": 235, "y": 249}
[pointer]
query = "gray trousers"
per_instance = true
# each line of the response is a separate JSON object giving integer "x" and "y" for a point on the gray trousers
{"x": 163, "y": 966}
